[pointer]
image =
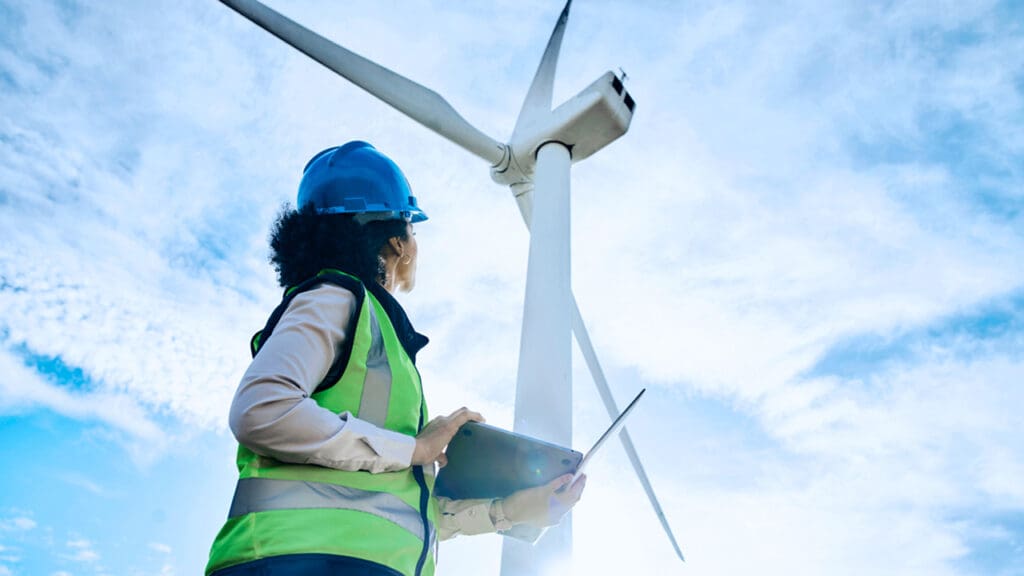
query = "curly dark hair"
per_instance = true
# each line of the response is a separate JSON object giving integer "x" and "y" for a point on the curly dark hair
{"x": 303, "y": 243}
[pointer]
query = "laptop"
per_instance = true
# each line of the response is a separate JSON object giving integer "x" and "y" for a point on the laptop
{"x": 488, "y": 462}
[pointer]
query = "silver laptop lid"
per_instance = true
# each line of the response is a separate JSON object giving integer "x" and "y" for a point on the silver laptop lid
{"x": 616, "y": 425}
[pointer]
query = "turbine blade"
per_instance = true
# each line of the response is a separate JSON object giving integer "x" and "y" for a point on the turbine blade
{"x": 414, "y": 100}
{"x": 538, "y": 100}
{"x": 583, "y": 339}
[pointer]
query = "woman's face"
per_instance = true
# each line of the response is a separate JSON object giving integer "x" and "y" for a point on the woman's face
{"x": 405, "y": 271}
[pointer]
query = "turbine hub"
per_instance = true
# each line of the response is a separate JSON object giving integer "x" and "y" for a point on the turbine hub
{"x": 585, "y": 123}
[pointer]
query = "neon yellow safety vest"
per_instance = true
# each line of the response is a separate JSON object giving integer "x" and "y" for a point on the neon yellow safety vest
{"x": 386, "y": 518}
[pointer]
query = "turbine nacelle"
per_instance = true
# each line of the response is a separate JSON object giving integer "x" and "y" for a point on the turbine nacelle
{"x": 587, "y": 122}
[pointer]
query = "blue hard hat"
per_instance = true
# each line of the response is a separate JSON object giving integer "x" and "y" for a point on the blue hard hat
{"x": 357, "y": 179}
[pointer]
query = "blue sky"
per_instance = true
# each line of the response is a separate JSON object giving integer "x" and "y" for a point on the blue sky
{"x": 807, "y": 247}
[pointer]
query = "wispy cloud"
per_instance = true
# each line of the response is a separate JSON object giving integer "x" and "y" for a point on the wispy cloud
{"x": 91, "y": 263}
{"x": 17, "y": 528}
{"x": 17, "y": 524}
{"x": 81, "y": 550}
{"x": 84, "y": 482}
{"x": 9, "y": 555}
{"x": 21, "y": 387}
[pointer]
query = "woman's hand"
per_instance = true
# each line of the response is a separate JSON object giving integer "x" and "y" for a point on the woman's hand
{"x": 435, "y": 436}
{"x": 544, "y": 505}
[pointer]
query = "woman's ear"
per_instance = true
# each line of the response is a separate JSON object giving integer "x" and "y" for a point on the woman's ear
{"x": 397, "y": 246}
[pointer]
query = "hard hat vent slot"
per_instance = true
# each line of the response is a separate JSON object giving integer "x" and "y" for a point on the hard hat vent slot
{"x": 355, "y": 205}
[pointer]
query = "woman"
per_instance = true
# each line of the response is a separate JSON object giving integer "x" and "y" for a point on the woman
{"x": 336, "y": 455}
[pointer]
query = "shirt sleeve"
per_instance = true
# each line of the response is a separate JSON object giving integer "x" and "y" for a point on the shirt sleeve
{"x": 272, "y": 412}
{"x": 466, "y": 517}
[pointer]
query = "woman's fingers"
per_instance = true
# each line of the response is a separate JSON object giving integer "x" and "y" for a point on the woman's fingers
{"x": 463, "y": 415}
{"x": 546, "y": 504}
{"x": 576, "y": 490}
{"x": 566, "y": 490}
{"x": 560, "y": 484}
{"x": 435, "y": 436}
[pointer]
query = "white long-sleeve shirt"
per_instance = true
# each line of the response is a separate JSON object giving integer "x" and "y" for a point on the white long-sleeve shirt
{"x": 273, "y": 414}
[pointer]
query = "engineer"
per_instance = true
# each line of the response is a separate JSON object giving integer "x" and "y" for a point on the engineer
{"x": 336, "y": 452}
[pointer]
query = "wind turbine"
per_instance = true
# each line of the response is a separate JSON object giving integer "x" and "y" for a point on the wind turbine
{"x": 535, "y": 164}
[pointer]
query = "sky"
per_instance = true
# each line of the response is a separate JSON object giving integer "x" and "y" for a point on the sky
{"x": 808, "y": 248}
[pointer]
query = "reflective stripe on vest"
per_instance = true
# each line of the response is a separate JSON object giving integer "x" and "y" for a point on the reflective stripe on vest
{"x": 266, "y": 494}
{"x": 373, "y": 406}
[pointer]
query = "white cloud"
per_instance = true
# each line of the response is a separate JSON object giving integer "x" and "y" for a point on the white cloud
{"x": 84, "y": 482}
{"x": 160, "y": 547}
{"x": 22, "y": 387}
{"x": 17, "y": 524}
{"x": 9, "y": 555}
{"x": 103, "y": 271}
{"x": 81, "y": 550}
{"x": 895, "y": 471}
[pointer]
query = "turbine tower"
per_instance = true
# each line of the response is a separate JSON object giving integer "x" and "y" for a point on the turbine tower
{"x": 535, "y": 164}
